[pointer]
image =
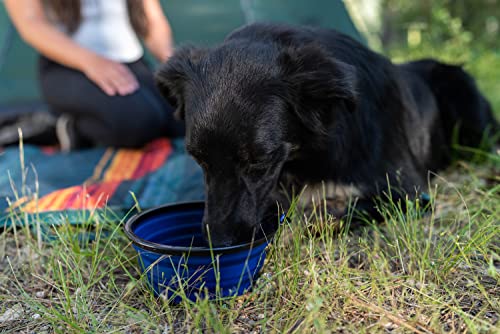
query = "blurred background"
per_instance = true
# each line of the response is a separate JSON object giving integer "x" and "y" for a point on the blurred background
{"x": 457, "y": 31}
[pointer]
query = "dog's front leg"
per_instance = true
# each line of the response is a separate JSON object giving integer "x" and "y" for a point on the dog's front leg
{"x": 351, "y": 204}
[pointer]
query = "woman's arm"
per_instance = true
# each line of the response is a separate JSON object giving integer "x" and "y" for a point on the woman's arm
{"x": 159, "y": 39}
{"x": 30, "y": 20}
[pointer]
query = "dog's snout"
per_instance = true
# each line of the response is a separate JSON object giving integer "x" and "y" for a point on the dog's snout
{"x": 217, "y": 237}
{"x": 222, "y": 235}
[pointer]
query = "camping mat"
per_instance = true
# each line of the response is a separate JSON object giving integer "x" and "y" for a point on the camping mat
{"x": 41, "y": 181}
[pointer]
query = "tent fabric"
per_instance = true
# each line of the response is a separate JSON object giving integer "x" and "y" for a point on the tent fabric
{"x": 320, "y": 13}
{"x": 95, "y": 179}
{"x": 17, "y": 65}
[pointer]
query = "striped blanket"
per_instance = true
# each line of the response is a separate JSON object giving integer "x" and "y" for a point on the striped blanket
{"x": 42, "y": 181}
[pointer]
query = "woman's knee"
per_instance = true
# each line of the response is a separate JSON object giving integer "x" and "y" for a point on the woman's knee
{"x": 119, "y": 121}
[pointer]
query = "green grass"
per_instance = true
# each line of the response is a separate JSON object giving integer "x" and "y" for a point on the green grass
{"x": 415, "y": 273}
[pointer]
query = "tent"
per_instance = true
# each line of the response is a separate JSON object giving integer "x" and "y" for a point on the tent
{"x": 203, "y": 22}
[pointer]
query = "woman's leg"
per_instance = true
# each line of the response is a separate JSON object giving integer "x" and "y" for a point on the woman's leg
{"x": 120, "y": 121}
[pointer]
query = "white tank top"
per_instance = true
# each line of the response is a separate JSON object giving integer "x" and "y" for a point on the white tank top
{"x": 106, "y": 29}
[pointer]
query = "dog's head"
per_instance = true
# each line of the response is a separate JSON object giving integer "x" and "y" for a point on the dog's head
{"x": 248, "y": 110}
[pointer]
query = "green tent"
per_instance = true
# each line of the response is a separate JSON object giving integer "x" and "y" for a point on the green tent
{"x": 195, "y": 21}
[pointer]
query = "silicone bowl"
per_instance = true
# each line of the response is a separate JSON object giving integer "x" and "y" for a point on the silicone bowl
{"x": 178, "y": 262}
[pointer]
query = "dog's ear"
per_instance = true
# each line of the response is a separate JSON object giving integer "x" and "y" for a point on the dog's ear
{"x": 318, "y": 81}
{"x": 174, "y": 75}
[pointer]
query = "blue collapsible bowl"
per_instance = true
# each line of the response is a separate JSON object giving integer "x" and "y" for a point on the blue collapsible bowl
{"x": 178, "y": 262}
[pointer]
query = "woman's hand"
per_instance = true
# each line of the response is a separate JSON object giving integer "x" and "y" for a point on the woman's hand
{"x": 112, "y": 77}
{"x": 31, "y": 22}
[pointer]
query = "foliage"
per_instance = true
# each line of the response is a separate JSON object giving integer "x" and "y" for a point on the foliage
{"x": 441, "y": 20}
{"x": 452, "y": 31}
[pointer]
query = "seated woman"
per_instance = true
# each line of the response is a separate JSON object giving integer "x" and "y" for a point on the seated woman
{"x": 92, "y": 71}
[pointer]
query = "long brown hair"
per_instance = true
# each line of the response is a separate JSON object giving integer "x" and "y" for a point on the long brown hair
{"x": 70, "y": 14}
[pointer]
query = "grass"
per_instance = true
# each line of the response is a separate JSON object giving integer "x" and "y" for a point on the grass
{"x": 429, "y": 273}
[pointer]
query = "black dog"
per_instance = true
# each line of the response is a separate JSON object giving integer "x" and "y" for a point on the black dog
{"x": 285, "y": 105}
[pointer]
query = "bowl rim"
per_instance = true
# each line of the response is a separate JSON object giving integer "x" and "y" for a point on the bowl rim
{"x": 180, "y": 250}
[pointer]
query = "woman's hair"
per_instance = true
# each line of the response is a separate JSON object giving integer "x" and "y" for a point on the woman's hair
{"x": 70, "y": 15}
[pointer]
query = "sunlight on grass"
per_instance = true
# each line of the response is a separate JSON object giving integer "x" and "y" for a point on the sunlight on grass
{"x": 419, "y": 272}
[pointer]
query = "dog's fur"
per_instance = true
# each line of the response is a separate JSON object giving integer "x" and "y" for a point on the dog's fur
{"x": 276, "y": 104}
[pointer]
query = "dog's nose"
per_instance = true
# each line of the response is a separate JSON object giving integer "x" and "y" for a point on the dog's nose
{"x": 221, "y": 240}
{"x": 216, "y": 237}
{"x": 227, "y": 235}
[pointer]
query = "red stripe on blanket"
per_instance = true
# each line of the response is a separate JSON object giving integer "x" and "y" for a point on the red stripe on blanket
{"x": 154, "y": 159}
{"x": 78, "y": 197}
{"x": 133, "y": 164}
{"x": 125, "y": 165}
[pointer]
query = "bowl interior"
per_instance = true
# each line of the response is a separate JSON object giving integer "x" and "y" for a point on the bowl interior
{"x": 176, "y": 229}
{"x": 180, "y": 228}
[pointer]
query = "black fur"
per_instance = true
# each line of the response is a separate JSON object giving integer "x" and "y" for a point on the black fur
{"x": 278, "y": 104}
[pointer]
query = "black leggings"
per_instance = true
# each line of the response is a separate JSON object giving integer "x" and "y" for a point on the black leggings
{"x": 99, "y": 119}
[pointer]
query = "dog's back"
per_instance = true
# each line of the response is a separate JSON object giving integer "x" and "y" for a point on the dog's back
{"x": 414, "y": 108}
{"x": 463, "y": 111}
{"x": 301, "y": 106}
